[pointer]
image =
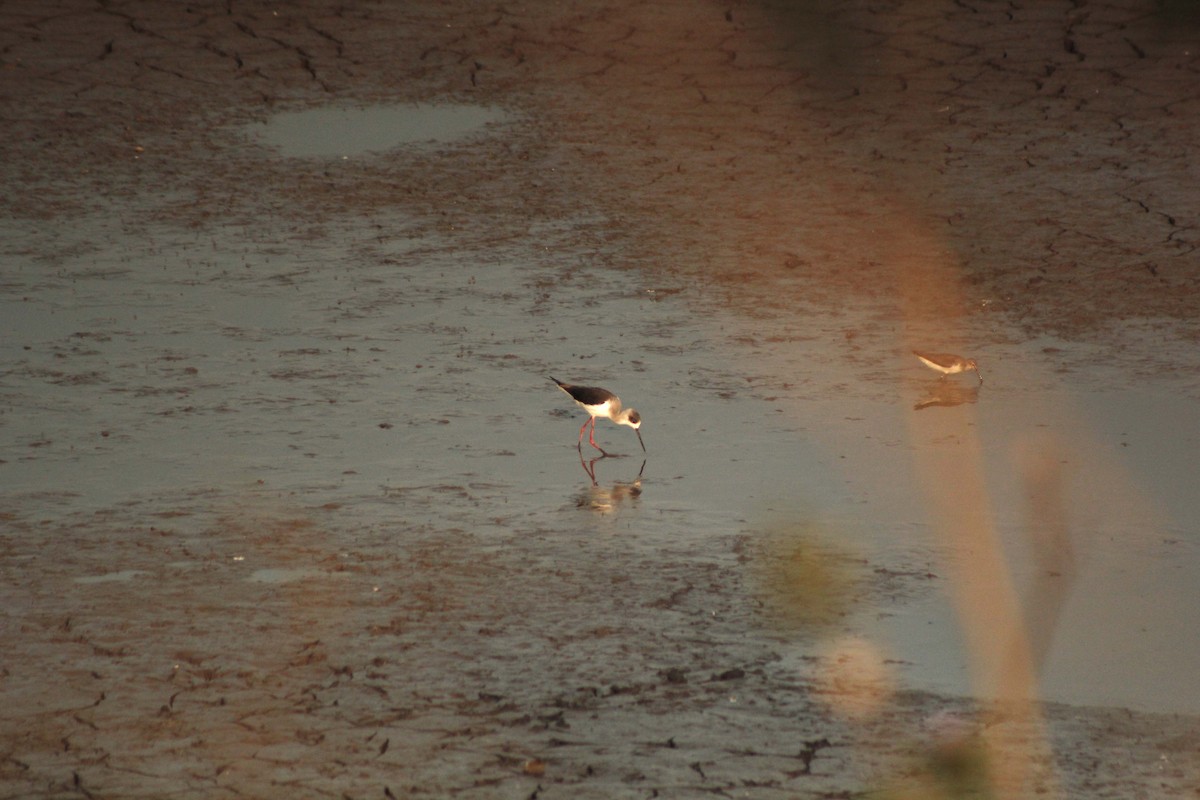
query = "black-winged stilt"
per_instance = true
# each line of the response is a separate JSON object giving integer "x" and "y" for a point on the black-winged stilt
{"x": 599, "y": 402}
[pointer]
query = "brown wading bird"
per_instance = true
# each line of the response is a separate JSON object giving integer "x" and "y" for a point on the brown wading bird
{"x": 599, "y": 402}
{"x": 948, "y": 363}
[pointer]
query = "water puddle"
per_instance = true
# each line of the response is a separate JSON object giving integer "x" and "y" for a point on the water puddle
{"x": 343, "y": 131}
{"x": 290, "y": 574}
{"x": 124, "y": 576}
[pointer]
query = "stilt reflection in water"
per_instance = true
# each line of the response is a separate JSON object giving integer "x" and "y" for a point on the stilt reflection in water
{"x": 605, "y": 500}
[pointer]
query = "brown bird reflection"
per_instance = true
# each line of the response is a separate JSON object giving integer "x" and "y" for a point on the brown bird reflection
{"x": 942, "y": 393}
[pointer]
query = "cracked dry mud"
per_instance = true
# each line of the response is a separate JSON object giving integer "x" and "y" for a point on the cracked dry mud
{"x": 1025, "y": 162}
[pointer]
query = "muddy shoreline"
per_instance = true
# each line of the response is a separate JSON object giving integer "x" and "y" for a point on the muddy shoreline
{"x": 266, "y": 527}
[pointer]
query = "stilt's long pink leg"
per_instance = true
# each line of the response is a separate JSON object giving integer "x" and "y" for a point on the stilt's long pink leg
{"x": 592, "y": 438}
{"x": 591, "y": 435}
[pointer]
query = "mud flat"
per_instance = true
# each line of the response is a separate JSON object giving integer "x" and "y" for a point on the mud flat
{"x": 289, "y": 506}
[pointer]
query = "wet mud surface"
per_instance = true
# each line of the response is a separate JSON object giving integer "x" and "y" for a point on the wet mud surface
{"x": 290, "y": 507}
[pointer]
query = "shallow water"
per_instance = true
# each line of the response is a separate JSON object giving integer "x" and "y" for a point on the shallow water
{"x": 183, "y": 378}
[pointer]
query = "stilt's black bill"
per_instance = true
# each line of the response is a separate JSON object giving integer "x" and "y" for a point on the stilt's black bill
{"x": 643, "y": 444}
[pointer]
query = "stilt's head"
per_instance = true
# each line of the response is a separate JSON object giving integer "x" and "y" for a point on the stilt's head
{"x": 633, "y": 419}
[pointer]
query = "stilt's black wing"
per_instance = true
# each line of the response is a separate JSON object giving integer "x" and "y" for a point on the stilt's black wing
{"x": 588, "y": 395}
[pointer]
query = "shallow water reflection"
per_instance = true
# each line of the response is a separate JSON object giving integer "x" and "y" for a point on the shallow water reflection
{"x": 415, "y": 394}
